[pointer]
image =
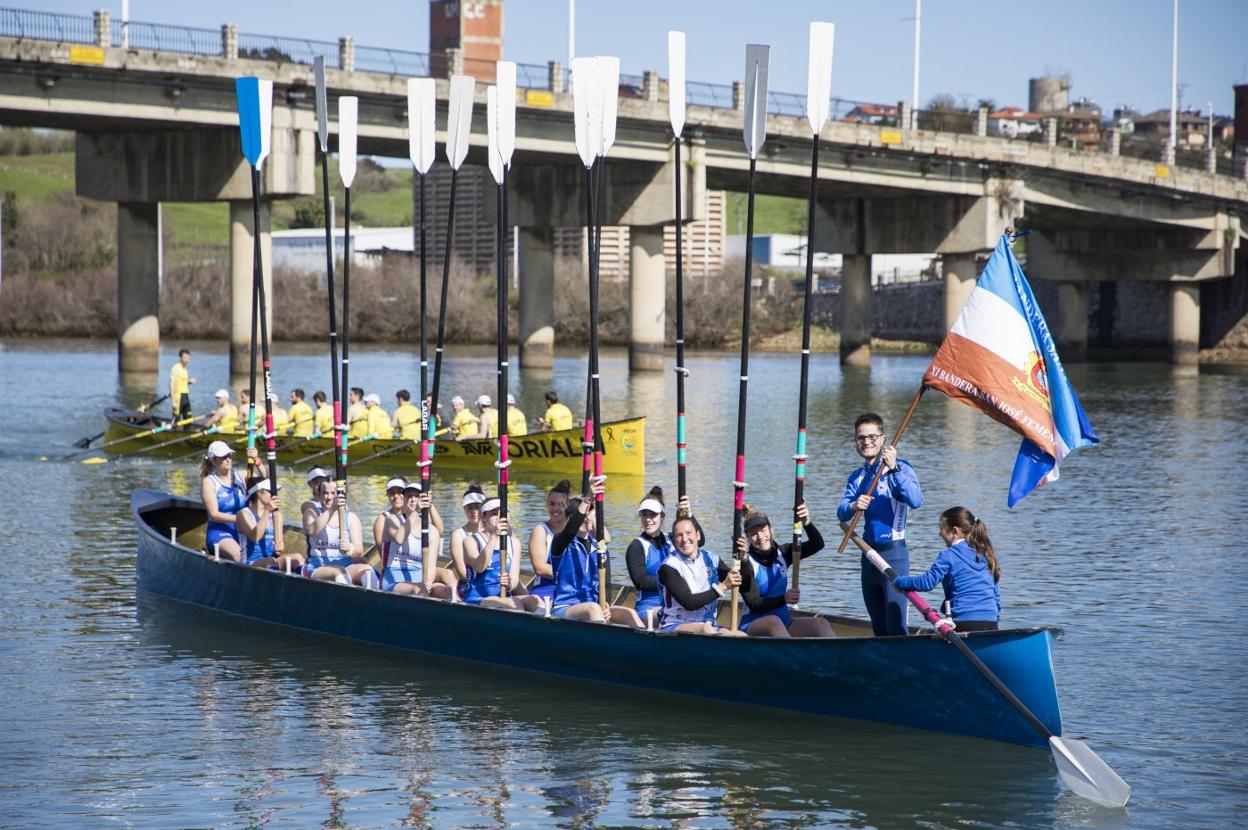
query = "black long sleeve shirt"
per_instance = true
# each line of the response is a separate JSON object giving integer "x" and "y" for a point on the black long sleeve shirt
{"x": 674, "y": 582}
{"x": 635, "y": 559}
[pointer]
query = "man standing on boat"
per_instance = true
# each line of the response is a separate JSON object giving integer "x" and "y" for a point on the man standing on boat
{"x": 180, "y": 381}
{"x": 884, "y": 514}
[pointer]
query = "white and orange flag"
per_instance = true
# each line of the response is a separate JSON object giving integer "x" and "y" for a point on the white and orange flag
{"x": 1000, "y": 358}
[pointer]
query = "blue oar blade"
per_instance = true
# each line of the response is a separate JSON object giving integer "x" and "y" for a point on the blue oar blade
{"x": 1086, "y": 774}
{"x": 255, "y": 117}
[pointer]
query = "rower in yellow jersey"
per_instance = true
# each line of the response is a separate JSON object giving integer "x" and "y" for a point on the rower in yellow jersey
{"x": 488, "y": 418}
{"x": 281, "y": 418}
{"x": 302, "y": 420}
{"x": 406, "y": 416}
{"x": 376, "y": 419}
{"x": 517, "y": 424}
{"x": 463, "y": 423}
{"x": 180, "y": 382}
{"x": 357, "y": 415}
{"x": 324, "y": 418}
{"x": 557, "y": 417}
{"x": 225, "y": 417}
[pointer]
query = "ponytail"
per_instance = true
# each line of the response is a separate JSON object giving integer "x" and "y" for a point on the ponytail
{"x": 976, "y": 533}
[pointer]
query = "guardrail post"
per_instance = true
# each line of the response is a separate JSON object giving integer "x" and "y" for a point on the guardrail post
{"x": 229, "y": 41}
{"x": 555, "y": 80}
{"x": 1115, "y": 141}
{"x": 981, "y": 122}
{"x": 455, "y": 61}
{"x": 905, "y": 118}
{"x": 738, "y": 95}
{"x": 1050, "y": 131}
{"x": 103, "y": 28}
{"x": 650, "y": 85}
{"x": 346, "y": 53}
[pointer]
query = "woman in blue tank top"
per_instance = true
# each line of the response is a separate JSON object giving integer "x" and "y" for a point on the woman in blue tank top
{"x": 543, "y": 535}
{"x": 223, "y": 494}
{"x": 577, "y": 592}
{"x": 258, "y": 526}
{"x": 650, "y": 550}
{"x": 485, "y": 572}
{"x": 766, "y": 589}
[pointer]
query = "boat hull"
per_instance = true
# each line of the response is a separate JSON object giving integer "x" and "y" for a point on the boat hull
{"x": 917, "y": 681}
{"x": 624, "y": 448}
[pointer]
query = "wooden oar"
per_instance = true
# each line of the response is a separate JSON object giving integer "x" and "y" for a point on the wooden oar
{"x": 818, "y": 94}
{"x": 145, "y": 433}
{"x": 421, "y": 123}
{"x": 1077, "y": 764}
{"x": 754, "y": 132}
{"x": 86, "y": 441}
{"x": 676, "y": 114}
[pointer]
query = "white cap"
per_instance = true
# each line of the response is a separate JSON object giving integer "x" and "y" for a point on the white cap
{"x": 262, "y": 484}
{"x": 372, "y": 398}
{"x": 473, "y": 498}
{"x": 218, "y": 449}
{"x": 511, "y": 399}
{"x": 414, "y": 484}
{"x": 222, "y": 393}
{"x": 653, "y": 505}
{"x": 317, "y": 472}
{"x": 457, "y": 400}
{"x": 491, "y": 505}
{"x": 400, "y": 483}
{"x": 484, "y": 400}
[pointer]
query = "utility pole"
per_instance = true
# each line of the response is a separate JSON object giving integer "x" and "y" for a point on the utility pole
{"x": 1174, "y": 83}
{"x": 914, "y": 85}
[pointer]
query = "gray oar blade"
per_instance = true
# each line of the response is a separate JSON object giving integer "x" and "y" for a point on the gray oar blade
{"x": 1086, "y": 774}
{"x": 757, "y": 59}
{"x": 322, "y": 117}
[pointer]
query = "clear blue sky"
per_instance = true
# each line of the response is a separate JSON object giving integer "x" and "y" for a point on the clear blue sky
{"x": 1117, "y": 51}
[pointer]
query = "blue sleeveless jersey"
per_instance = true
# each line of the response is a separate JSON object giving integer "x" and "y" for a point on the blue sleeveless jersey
{"x": 544, "y": 588}
{"x": 773, "y": 581}
{"x": 655, "y": 556}
{"x": 230, "y": 499}
{"x": 485, "y": 584}
{"x": 576, "y": 578}
{"x": 267, "y": 544}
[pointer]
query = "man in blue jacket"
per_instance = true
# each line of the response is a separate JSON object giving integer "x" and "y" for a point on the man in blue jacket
{"x": 885, "y": 513}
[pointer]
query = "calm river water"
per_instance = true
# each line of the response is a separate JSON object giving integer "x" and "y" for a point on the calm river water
{"x": 125, "y": 710}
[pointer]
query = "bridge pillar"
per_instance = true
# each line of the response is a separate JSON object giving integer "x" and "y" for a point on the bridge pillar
{"x": 537, "y": 288}
{"x": 1072, "y": 321}
{"x": 1184, "y": 323}
{"x": 647, "y": 283}
{"x": 960, "y": 272}
{"x": 857, "y": 319}
{"x": 138, "y": 286}
{"x": 240, "y": 280}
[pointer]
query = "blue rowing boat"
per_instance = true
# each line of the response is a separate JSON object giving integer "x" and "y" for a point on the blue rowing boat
{"x": 917, "y": 681}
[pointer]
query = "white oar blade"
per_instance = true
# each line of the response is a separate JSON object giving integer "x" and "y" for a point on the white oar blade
{"x": 348, "y": 127}
{"x": 585, "y": 88}
{"x": 322, "y": 104}
{"x": 676, "y": 81}
{"x": 1086, "y": 774}
{"x": 757, "y": 58}
{"x": 609, "y": 67}
{"x": 505, "y": 79}
{"x": 819, "y": 75}
{"x": 459, "y": 119}
{"x": 491, "y": 131}
{"x": 421, "y": 101}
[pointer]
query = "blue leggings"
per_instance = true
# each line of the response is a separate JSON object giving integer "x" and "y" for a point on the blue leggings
{"x": 886, "y": 605}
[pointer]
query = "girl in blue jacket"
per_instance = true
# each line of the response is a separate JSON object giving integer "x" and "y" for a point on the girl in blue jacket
{"x": 967, "y": 570}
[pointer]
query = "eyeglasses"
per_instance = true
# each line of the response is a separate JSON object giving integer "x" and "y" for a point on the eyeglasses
{"x": 868, "y": 439}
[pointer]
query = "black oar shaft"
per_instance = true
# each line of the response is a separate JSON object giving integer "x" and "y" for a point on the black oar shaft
{"x": 738, "y": 513}
{"x": 262, "y": 304}
{"x": 340, "y": 434}
{"x": 441, "y": 338}
{"x": 424, "y": 378}
{"x": 681, "y": 435}
{"x": 799, "y": 455}
{"x": 587, "y": 442}
{"x": 501, "y": 408}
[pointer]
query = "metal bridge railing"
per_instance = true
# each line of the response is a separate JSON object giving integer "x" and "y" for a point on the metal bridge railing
{"x": 61, "y": 28}
{"x": 392, "y": 61}
{"x": 162, "y": 37}
{"x": 287, "y": 49}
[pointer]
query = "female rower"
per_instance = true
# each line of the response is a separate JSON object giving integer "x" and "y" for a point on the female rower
{"x": 472, "y": 501}
{"x": 694, "y": 580}
{"x": 769, "y": 596}
{"x": 650, "y": 549}
{"x": 397, "y": 533}
{"x": 224, "y": 494}
{"x": 487, "y": 577}
{"x": 259, "y": 526}
{"x": 418, "y": 502}
{"x": 332, "y": 555}
{"x": 543, "y": 535}
{"x": 577, "y": 590}
{"x": 967, "y": 569}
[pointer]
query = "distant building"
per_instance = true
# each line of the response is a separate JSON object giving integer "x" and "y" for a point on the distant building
{"x": 1191, "y": 129}
{"x": 879, "y": 114}
{"x": 1013, "y": 122}
{"x": 787, "y": 252}
{"x": 303, "y": 249}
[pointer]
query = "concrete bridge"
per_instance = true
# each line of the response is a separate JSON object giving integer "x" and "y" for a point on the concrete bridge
{"x": 155, "y": 126}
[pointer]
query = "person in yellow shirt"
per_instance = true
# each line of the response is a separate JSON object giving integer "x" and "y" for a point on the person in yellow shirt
{"x": 281, "y": 418}
{"x": 180, "y": 382}
{"x": 488, "y": 419}
{"x": 376, "y": 419}
{"x": 301, "y": 417}
{"x": 324, "y": 418}
{"x": 463, "y": 422}
{"x": 244, "y": 404}
{"x": 357, "y": 415}
{"x": 406, "y": 416}
{"x": 225, "y": 417}
{"x": 557, "y": 417}
{"x": 517, "y": 424}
